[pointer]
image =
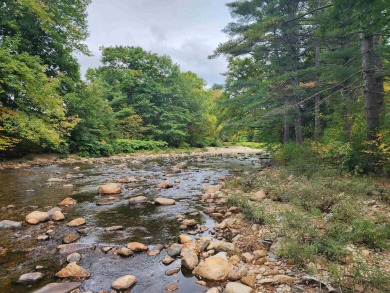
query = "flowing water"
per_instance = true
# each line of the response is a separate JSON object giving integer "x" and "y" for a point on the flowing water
{"x": 28, "y": 190}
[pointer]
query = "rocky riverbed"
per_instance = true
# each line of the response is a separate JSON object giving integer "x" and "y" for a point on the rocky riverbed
{"x": 146, "y": 223}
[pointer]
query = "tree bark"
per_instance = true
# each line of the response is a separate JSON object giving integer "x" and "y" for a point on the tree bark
{"x": 372, "y": 105}
{"x": 317, "y": 110}
{"x": 298, "y": 123}
{"x": 379, "y": 79}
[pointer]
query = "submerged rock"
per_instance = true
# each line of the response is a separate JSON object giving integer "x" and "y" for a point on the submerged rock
{"x": 70, "y": 238}
{"x": 7, "y": 224}
{"x": 74, "y": 257}
{"x": 174, "y": 250}
{"x": 73, "y": 247}
{"x": 59, "y": 287}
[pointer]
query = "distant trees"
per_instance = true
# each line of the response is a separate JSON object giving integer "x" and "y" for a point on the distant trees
{"x": 151, "y": 97}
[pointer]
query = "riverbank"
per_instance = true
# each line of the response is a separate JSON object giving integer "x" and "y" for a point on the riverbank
{"x": 50, "y": 159}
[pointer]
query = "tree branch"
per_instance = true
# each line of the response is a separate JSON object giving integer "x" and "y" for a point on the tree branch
{"x": 309, "y": 12}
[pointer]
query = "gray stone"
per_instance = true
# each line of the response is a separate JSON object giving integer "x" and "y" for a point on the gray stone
{"x": 73, "y": 247}
{"x": 74, "y": 257}
{"x": 59, "y": 287}
{"x": 7, "y": 224}
{"x": 30, "y": 277}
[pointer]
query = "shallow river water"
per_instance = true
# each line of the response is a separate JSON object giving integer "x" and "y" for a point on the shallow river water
{"x": 28, "y": 190}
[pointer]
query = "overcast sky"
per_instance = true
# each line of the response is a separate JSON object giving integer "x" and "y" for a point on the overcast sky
{"x": 186, "y": 30}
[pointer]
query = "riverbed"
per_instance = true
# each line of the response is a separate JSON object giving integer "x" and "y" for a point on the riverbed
{"x": 27, "y": 189}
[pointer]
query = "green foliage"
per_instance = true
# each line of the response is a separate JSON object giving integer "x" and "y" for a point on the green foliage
{"x": 300, "y": 159}
{"x": 253, "y": 212}
{"x": 130, "y": 146}
{"x": 151, "y": 98}
{"x": 96, "y": 122}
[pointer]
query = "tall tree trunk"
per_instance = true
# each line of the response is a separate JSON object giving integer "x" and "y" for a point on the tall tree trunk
{"x": 372, "y": 105}
{"x": 298, "y": 122}
{"x": 379, "y": 80}
{"x": 317, "y": 110}
{"x": 286, "y": 124}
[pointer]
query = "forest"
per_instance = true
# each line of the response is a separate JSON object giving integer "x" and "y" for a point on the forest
{"x": 307, "y": 78}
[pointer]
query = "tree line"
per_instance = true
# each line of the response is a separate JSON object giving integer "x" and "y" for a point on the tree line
{"x": 314, "y": 71}
{"x": 309, "y": 72}
{"x": 135, "y": 94}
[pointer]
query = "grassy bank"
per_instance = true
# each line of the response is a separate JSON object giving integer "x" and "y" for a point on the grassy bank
{"x": 329, "y": 224}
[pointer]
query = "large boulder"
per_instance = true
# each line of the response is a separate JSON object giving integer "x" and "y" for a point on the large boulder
{"x": 124, "y": 283}
{"x": 73, "y": 270}
{"x": 110, "y": 188}
{"x": 214, "y": 268}
{"x": 164, "y": 201}
{"x": 7, "y": 224}
{"x": 36, "y": 217}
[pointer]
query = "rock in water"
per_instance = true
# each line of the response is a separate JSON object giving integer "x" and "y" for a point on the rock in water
{"x": 58, "y": 216}
{"x": 70, "y": 238}
{"x": 59, "y": 287}
{"x": 165, "y": 185}
{"x": 73, "y": 270}
{"x": 76, "y": 222}
{"x": 36, "y": 217}
{"x": 136, "y": 246}
{"x": 137, "y": 200}
{"x": 124, "y": 283}
{"x": 125, "y": 252}
{"x": 110, "y": 188}
{"x": 164, "y": 201}
{"x": 214, "y": 269}
{"x": 174, "y": 250}
{"x": 235, "y": 287}
{"x": 190, "y": 260}
{"x": 68, "y": 202}
{"x": 30, "y": 277}
{"x": 74, "y": 257}
{"x": 7, "y": 224}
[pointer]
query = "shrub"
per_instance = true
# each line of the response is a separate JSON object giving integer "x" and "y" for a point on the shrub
{"x": 95, "y": 149}
{"x": 130, "y": 146}
{"x": 299, "y": 159}
{"x": 251, "y": 211}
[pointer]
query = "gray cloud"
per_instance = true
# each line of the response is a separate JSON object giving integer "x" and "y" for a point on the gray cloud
{"x": 186, "y": 30}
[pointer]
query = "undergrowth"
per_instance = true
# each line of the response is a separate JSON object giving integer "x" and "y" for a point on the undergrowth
{"x": 329, "y": 220}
